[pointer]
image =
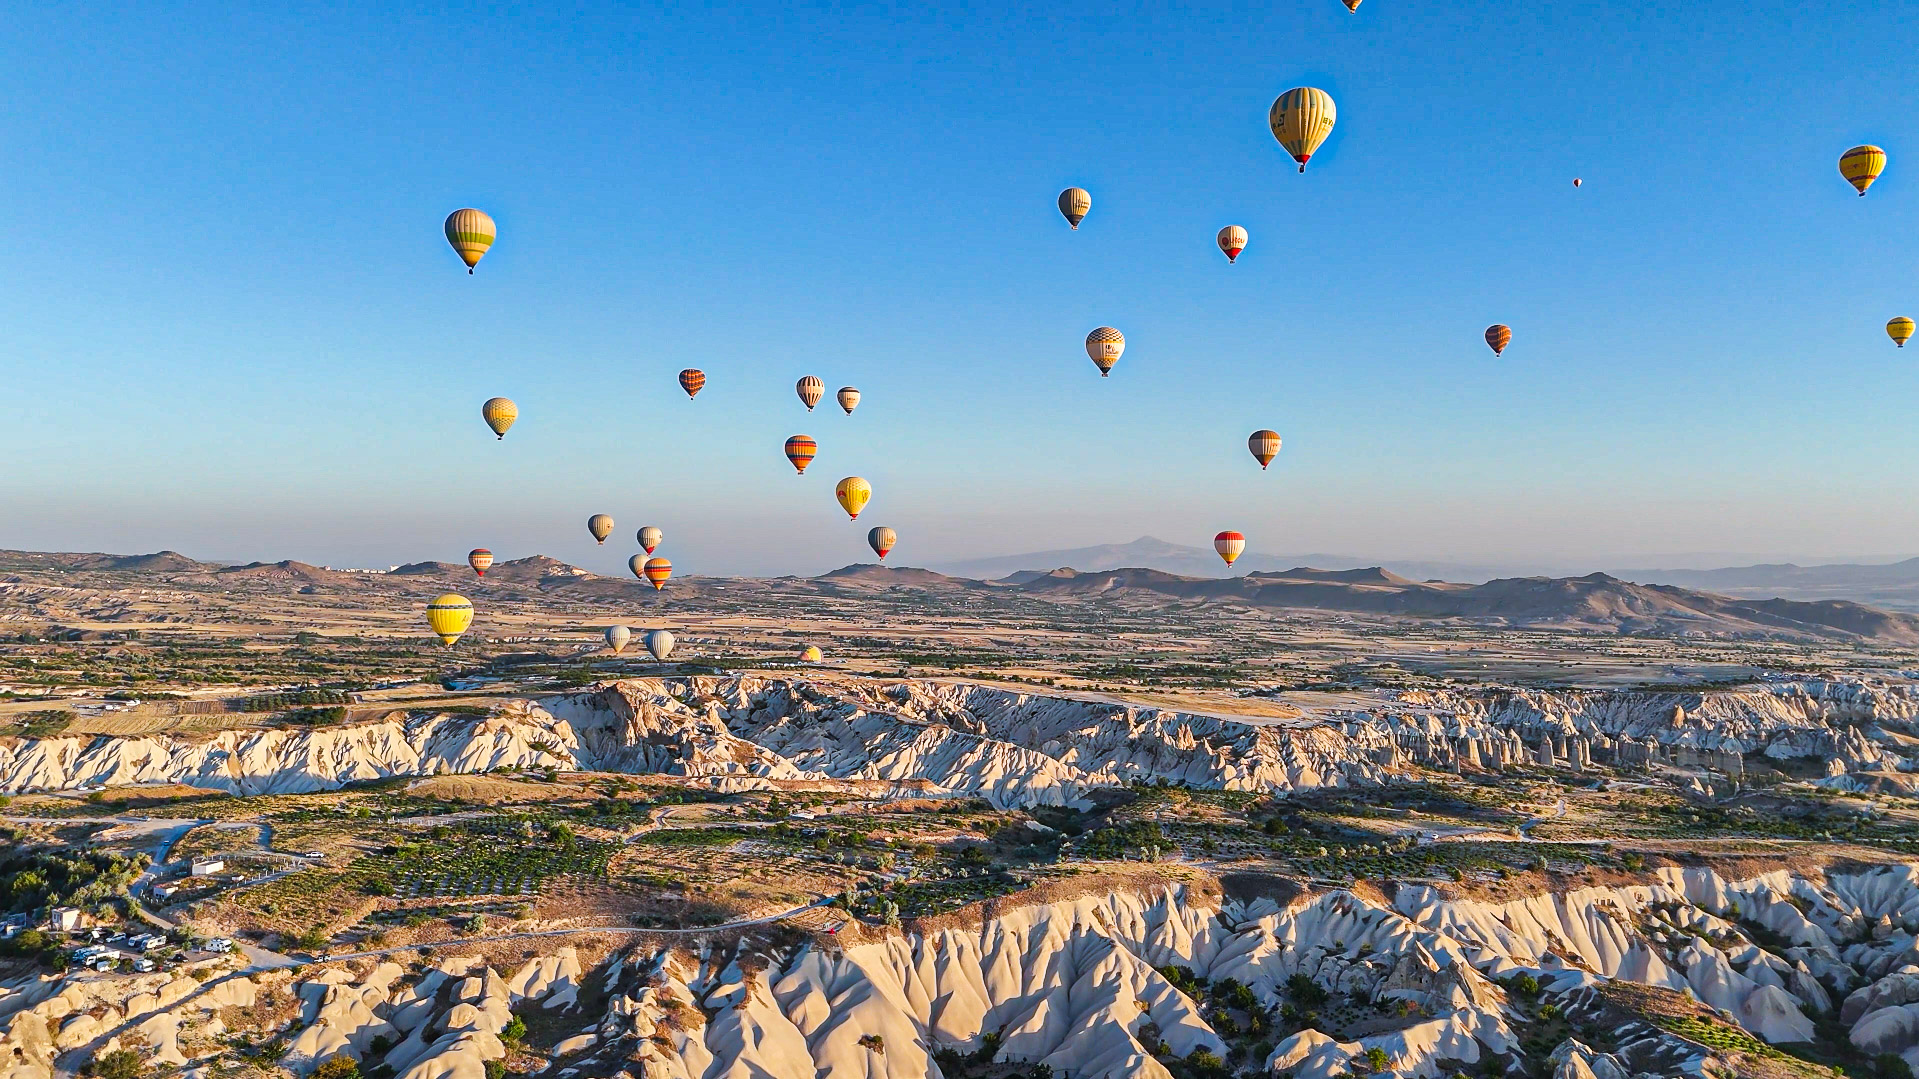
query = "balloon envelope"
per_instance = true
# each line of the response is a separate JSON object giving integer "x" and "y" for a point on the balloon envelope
{"x": 801, "y": 449}
{"x": 660, "y": 643}
{"x": 1104, "y": 346}
{"x": 1498, "y": 336}
{"x": 616, "y": 638}
{"x": 1900, "y": 330}
{"x": 882, "y": 540}
{"x": 499, "y": 414}
{"x": 853, "y": 493}
{"x": 848, "y": 398}
{"x": 657, "y": 570}
{"x": 1229, "y": 544}
{"x": 1074, "y": 203}
{"x": 691, "y": 380}
{"x": 480, "y": 559}
{"x": 1264, "y": 446}
{"x": 471, "y": 233}
{"x": 811, "y": 654}
{"x": 601, "y": 526}
{"x": 810, "y": 389}
{"x": 1301, "y": 118}
{"x": 449, "y": 616}
{"x": 1861, "y": 165}
{"x": 1232, "y": 240}
{"x": 650, "y": 538}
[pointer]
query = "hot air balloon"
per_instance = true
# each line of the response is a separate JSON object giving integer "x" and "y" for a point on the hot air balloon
{"x": 810, "y": 389}
{"x": 1351, "y": 5}
{"x": 449, "y": 616}
{"x": 1229, "y": 544}
{"x": 660, "y": 643}
{"x": 657, "y": 570}
{"x": 499, "y": 414}
{"x": 471, "y": 233}
{"x": 649, "y": 538}
{"x": 1074, "y": 202}
{"x": 801, "y": 449}
{"x": 1861, "y": 165}
{"x": 1498, "y": 336}
{"x": 1301, "y": 119}
{"x": 853, "y": 493}
{"x": 480, "y": 559}
{"x": 1900, "y": 330}
{"x": 1264, "y": 445}
{"x": 811, "y": 654}
{"x": 882, "y": 540}
{"x": 1576, "y": 181}
{"x": 691, "y": 380}
{"x": 849, "y": 398}
{"x": 616, "y": 638}
{"x": 1104, "y": 345}
{"x": 601, "y": 525}
{"x": 1232, "y": 240}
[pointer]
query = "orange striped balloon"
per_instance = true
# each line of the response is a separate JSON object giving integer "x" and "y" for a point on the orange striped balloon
{"x": 657, "y": 570}
{"x": 1498, "y": 336}
{"x": 691, "y": 380}
{"x": 801, "y": 449}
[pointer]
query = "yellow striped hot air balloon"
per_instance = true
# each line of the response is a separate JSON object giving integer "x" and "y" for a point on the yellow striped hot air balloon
{"x": 471, "y": 234}
{"x": 691, "y": 380}
{"x": 1229, "y": 544}
{"x": 1301, "y": 118}
{"x": 810, "y": 389}
{"x": 480, "y": 559}
{"x": 657, "y": 570}
{"x": 499, "y": 414}
{"x": 1900, "y": 330}
{"x": 1074, "y": 203}
{"x": 811, "y": 654}
{"x": 1861, "y": 165}
{"x": 1498, "y": 336}
{"x": 449, "y": 616}
{"x": 601, "y": 526}
{"x": 1264, "y": 446}
{"x": 801, "y": 449}
{"x": 1104, "y": 345}
{"x": 1232, "y": 240}
{"x": 853, "y": 493}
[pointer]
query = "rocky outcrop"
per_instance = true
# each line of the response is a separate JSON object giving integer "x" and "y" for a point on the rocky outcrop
{"x": 934, "y": 738}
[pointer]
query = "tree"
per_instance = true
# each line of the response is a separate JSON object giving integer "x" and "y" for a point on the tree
{"x": 314, "y": 938}
{"x": 514, "y": 1031}
{"x": 1376, "y": 1059}
{"x": 496, "y": 1069}
{"x": 338, "y": 1066}
{"x": 119, "y": 1064}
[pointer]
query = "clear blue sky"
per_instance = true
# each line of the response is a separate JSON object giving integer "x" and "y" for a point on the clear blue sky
{"x": 231, "y": 325}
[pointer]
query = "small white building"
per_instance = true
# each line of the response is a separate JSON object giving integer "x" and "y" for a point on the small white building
{"x": 65, "y": 919}
{"x": 207, "y": 867}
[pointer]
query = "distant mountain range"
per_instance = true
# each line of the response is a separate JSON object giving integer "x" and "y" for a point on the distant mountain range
{"x": 1594, "y": 603}
{"x": 1200, "y": 562}
{"x": 1894, "y": 585}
